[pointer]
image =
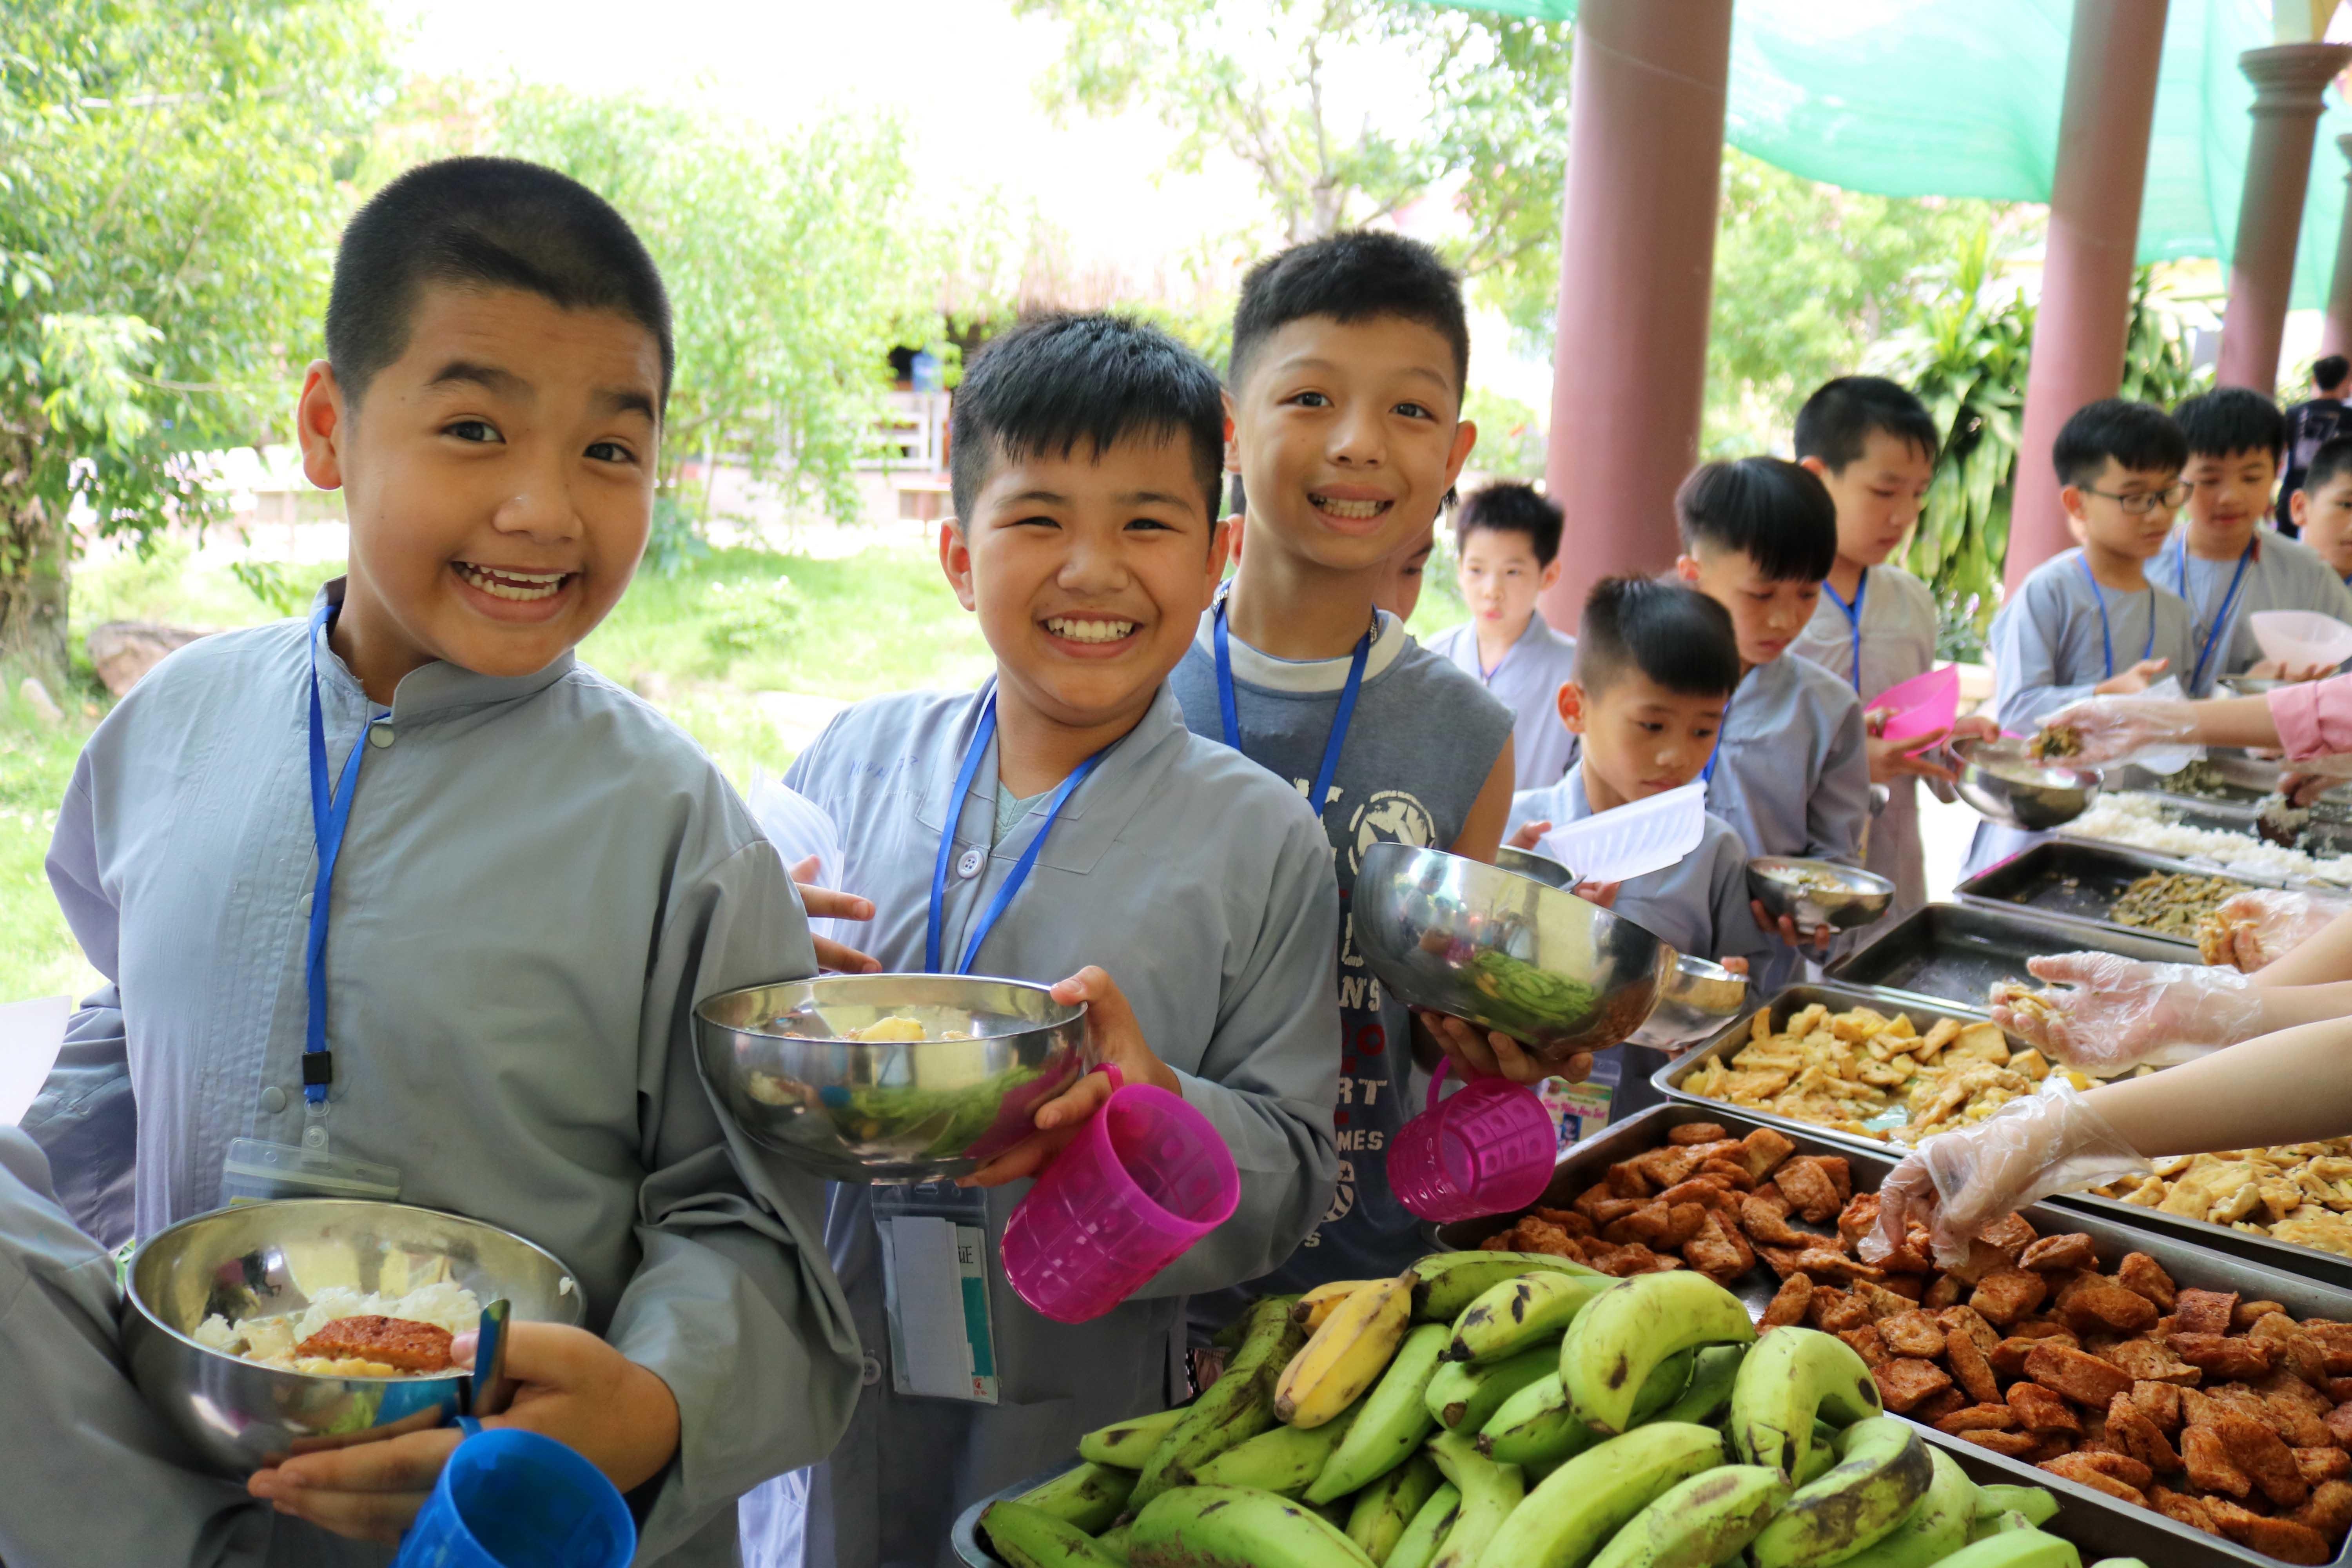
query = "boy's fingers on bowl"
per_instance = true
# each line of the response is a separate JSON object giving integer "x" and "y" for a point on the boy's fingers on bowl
{"x": 842, "y": 960}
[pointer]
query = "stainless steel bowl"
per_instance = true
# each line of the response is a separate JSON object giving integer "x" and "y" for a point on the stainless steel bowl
{"x": 2004, "y": 783}
{"x": 2252, "y": 685}
{"x": 1817, "y": 892}
{"x": 1542, "y": 868}
{"x": 914, "y": 1110}
{"x": 1697, "y": 999}
{"x": 1504, "y": 951}
{"x": 256, "y": 1260}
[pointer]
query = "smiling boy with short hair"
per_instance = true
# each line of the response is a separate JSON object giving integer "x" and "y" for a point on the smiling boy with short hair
{"x": 1507, "y": 538}
{"x": 2323, "y": 506}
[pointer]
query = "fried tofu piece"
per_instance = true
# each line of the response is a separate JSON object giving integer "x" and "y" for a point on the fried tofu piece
{"x": 2041, "y": 1411}
{"x": 2281, "y": 1538}
{"x": 1833, "y": 1312}
{"x": 1868, "y": 1344}
{"x": 2207, "y": 1459}
{"x": 1788, "y": 1305}
{"x": 2010, "y": 1234}
{"x": 402, "y": 1343}
{"x": 1969, "y": 1322}
{"x": 2144, "y": 1276}
{"x": 2071, "y": 1250}
{"x": 1859, "y": 1217}
{"x": 2339, "y": 1424}
{"x": 2015, "y": 1445}
{"x": 2330, "y": 1512}
{"x": 1883, "y": 1302}
{"x": 1762, "y": 1150}
{"x": 1667, "y": 1166}
{"x": 1905, "y": 1381}
{"x": 2328, "y": 1464}
{"x": 2008, "y": 1358}
{"x": 1807, "y": 1189}
{"x": 2246, "y": 1314}
{"x": 2334, "y": 1341}
{"x": 2159, "y": 1402}
{"x": 2076, "y": 1468}
{"x": 2203, "y": 1311}
{"x": 1685, "y": 1221}
{"x": 2079, "y": 1375}
{"x": 1696, "y": 1133}
{"x": 1603, "y": 1208}
{"x": 1707, "y": 1191}
{"x": 2291, "y": 1349}
{"x": 1840, "y": 1173}
{"x": 1970, "y": 1368}
{"x": 2221, "y": 1357}
{"x": 1945, "y": 1291}
{"x": 1626, "y": 1180}
{"x": 2148, "y": 1362}
{"x": 2129, "y": 1428}
{"x": 2182, "y": 1509}
{"x": 1635, "y": 1258}
{"x": 1766, "y": 1220}
{"x": 1913, "y": 1334}
{"x": 2094, "y": 1301}
{"x": 2007, "y": 1294}
{"x": 1646, "y": 1224}
{"x": 1937, "y": 1405}
{"x": 1718, "y": 1250}
{"x": 2263, "y": 1456}
{"x": 1979, "y": 1418}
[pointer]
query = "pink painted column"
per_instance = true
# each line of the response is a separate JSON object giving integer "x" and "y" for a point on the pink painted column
{"x": 1637, "y": 262}
{"x": 2085, "y": 311}
{"x": 2287, "y": 81}
{"x": 2335, "y": 336}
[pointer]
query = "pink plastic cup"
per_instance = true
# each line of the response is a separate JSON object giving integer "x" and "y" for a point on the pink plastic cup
{"x": 1923, "y": 704}
{"x": 1145, "y": 1179}
{"x": 1487, "y": 1150}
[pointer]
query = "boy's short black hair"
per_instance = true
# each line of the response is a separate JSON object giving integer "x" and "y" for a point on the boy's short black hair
{"x": 1507, "y": 506}
{"x": 1059, "y": 381}
{"x": 2139, "y": 436}
{"x": 1669, "y": 631}
{"x": 489, "y": 223}
{"x": 2333, "y": 461}
{"x": 1776, "y": 511}
{"x": 1837, "y": 420}
{"x": 2231, "y": 420}
{"x": 1354, "y": 277}
{"x": 2329, "y": 370}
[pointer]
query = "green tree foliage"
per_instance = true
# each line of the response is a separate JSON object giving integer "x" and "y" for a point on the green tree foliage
{"x": 168, "y": 204}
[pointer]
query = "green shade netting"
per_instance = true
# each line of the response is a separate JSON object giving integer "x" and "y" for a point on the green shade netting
{"x": 1960, "y": 98}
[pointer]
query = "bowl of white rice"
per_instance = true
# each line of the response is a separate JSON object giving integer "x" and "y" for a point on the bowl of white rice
{"x": 258, "y": 1329}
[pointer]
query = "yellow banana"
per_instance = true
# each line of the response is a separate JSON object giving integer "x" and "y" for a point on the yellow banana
{"x": 1320, "y": 1303}
{"x": 1351, "y": 1349}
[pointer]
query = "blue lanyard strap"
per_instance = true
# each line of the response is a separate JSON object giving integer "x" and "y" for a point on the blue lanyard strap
{"x": 330, "y": 811}
{"x": 1853, "y": 618}
{"x": 2220, "y": 619}
{"x": 1707, "y": 774}
{"x": 1231, "y": 713}
{"x": 1021, "y": 867}
{"x": 2106, "y": 632}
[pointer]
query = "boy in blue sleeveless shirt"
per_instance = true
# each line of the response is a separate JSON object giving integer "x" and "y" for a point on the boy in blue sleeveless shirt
{"x": 1349, "y": 360}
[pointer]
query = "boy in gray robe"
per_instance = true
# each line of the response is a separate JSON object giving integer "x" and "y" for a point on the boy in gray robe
{"x": 1507, "y": 537}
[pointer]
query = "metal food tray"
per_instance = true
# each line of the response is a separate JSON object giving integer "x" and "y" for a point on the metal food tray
{"x": 2085, "y": 1515}
{"x": 1956, "y": 952}
{"x": 2080, "y": 880}
{"x": 2246, "y": 780}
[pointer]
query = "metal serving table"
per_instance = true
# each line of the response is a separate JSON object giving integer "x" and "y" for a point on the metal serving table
{"x": 1956, "y": 952}
{"x": 2080, "y": 880}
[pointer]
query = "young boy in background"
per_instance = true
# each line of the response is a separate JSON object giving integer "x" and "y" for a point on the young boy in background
{"x": 1872, "y": 446}
{"x": 1656, "y": 663}
{"x": 1792, "y": 770}
{"x": 1088, "y": 458}
{"x": 2223, "y": 562}
{"x": 538, "y": 880}
{"x": 2323, "y": 506}
{"x": 1349, "y": 361}
{"x": 1400, "y": 592}
{"x": 1507, "y": 536}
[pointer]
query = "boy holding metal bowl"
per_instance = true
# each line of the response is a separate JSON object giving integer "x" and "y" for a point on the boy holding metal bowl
{"x": 401, "y": 902}
{"x": 1061, "y": 817}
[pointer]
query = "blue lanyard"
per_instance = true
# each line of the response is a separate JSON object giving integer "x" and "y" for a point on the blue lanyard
{"x": 2213, "y": 633}
{"x": 329, "y": 812}
{"x": 1707, "y": 774}
{"x": 1021, "y": 867}
{"x": 1853, "y": 618}
{"x": 2106, "y": 632}
{"x": 1231, "y": 712}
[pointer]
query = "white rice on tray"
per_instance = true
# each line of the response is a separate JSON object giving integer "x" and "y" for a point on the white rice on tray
{"x": 270, "y": 1341}
{"x": 2139, "y": 819}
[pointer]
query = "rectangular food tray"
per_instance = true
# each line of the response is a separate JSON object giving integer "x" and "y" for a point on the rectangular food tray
{"x": 1955, "y": 952}
{"x": 2246, "y": 780}
{"x": 2268, "y": 1251}
{"x": 2075, "y": 879}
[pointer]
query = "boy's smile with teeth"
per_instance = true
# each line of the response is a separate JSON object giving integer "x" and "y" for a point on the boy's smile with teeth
{"x": 1355, "y": 510}
{"x": 1090, "y": 629}
{"x": 505, "y": 582}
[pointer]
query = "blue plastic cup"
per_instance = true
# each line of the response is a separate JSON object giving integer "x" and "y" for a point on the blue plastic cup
{"x": 511, "y": 1499}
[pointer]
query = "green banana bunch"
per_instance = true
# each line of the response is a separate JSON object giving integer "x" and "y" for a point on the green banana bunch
{"x": 2119, "y": 1562}
{"x": 1127, "y": 1443}
{"x": 1195, "y": 1527}
{"x": 1622, "y": 1336}
{"x": 2027, "y": 1548}
{"x": 1538, "y": 1426}
{"x": 1112, "y": 1542}
{"x": 1032, "y": 1538}
{"x": 1937, "y": 1526}
{"x": 1449, "y": 1281}
{"x": 1705, "y": 1519}
{"x": 1383, "y": 1511}
{"x": 1588, "y": 1500}
{"x": 1704, "y": 1403}
{"x": 1392, "y": 1419}
{"x": 1489, "y": 1493}
{"x": 1521, "y": 1313}
{"x": 1882, "y": 1472}
{"x": 1236, "y": 1407}
{"x": 1087, "y": 1494}
{"x": 1284, "y": 1459}
{"x": 1463, "y": 1396}
{"x": 1418, "y": 1545}
{"x": 1787, "y": 1380}
{"x": 2038, "y": 1504}
{"x": 1991, "y": 1524}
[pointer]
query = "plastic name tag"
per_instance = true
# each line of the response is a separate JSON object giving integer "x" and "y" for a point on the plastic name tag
{"x": 258, "y": 1169}
{"x": 937, "y": 1256}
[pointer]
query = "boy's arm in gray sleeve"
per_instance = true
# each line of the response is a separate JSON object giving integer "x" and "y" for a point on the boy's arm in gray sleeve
{"x": 85, "y": 1119}
{"x": 1271, "y": 1078}
{"x": 2024, "y": 651}
{"x": 1737, "y": 934}
{"x": 734, "y": 1306}
{"x": 1839, "y": 808}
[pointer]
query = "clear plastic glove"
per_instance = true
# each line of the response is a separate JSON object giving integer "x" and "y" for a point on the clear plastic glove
{"x": 2123, "y": 729}
{"x": 2117, "y": 1013}
{"x": 1957, "y": 1182}
{"x": 2253, "y": 928}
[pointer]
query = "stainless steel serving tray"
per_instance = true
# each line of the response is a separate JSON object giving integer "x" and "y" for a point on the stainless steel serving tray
{"x": 2079, "y": 880}
{"x": 2246, "y": 780}
{"x": 1955, "y": 952}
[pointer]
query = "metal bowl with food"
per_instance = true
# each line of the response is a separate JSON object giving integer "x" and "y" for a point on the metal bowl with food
{"x": 1817, "y": 892}
{"x": 246, "y": 1274}
{"x": 1697, "y": 999}
{"x": 1504, "y": 951}
{"x": 2002, "y": 780}
{"x": 889, "y": 1077}
{"x": 1542, "y": 868}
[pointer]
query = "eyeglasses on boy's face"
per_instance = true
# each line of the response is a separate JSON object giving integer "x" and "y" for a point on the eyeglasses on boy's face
{"x": 2139, "y": 503}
